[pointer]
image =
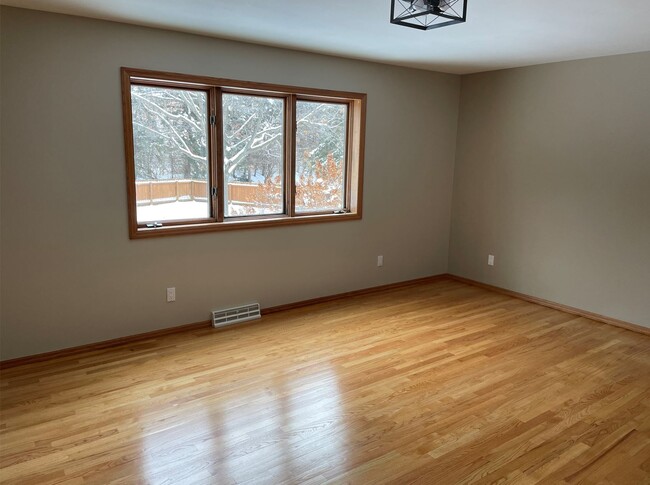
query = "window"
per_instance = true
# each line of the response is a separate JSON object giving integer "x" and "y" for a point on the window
{"x": 170, "y": 153}
{"x": 253, "y": 154}
{"x": 207, "y": 154}
{"x": 321, "y": 153}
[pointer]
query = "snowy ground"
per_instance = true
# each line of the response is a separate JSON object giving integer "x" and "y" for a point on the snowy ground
{"x": 189, "y": 210}
{"x": 173, "y": 211}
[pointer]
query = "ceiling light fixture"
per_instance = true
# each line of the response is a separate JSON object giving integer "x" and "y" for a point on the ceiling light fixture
{"x": 427, "y": 14}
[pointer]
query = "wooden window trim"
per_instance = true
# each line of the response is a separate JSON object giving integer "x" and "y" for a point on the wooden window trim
{"x": 216, "y": 162}
{"x": 215, "y": 87}
{"x": 290, "y": 157}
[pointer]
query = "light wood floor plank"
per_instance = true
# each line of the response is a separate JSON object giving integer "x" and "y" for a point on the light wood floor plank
{"x": 437, "y": 383}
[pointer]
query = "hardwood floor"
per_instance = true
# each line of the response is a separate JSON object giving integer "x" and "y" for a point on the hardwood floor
{"x": 440, "y": 383}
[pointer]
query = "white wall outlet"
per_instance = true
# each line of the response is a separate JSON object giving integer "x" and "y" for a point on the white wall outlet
{"x": 171, "y": 294}
{"x": 491, "y": 260}
{"x": 380, "y": 260}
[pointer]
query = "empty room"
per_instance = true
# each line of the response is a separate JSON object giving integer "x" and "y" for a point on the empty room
{"x": 336, "y": 242}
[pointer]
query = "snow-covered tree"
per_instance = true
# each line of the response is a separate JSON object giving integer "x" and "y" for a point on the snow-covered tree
{"x": 171, "y": 140}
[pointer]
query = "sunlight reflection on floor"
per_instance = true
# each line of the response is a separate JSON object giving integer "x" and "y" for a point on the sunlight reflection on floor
{"x": 291, "y": 430}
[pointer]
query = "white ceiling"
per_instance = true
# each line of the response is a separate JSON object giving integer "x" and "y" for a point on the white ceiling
{"x": 498, "y": 34}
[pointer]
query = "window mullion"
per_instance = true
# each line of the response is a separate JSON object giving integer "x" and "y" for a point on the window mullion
{"x": 290, "y": 172}
{"x": 216, "y": 134}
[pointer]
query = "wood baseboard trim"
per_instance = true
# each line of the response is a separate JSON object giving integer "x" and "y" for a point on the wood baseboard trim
{"x": 348, "y": 294}
{"x": 557, "y": 306}
{"x": 104, "y": 344}
{"x": 30, "y": 359}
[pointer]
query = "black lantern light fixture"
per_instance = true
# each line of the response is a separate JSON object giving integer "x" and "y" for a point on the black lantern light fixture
{"x": 428, "y": 14}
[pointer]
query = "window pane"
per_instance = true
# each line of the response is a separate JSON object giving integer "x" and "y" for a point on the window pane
{"x": 170, "y": 144}
{"x": 321, "y": 140}
{"x": 253, "y": 155}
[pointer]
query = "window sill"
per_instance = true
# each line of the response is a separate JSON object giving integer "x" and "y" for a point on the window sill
{"x": 238, "y": 224}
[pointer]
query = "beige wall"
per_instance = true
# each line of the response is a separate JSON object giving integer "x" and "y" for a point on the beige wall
{"x": 553, "y": 178}
{"x": 70, "y": 274}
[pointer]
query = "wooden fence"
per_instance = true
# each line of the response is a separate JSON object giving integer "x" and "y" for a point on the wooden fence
{"x": 162, "y": 191}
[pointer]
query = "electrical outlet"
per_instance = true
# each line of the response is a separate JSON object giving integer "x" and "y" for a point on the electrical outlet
{"x": 491, "y": 260}
{"x": 171, "y": 295}
{"x": 380, "y": 260}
